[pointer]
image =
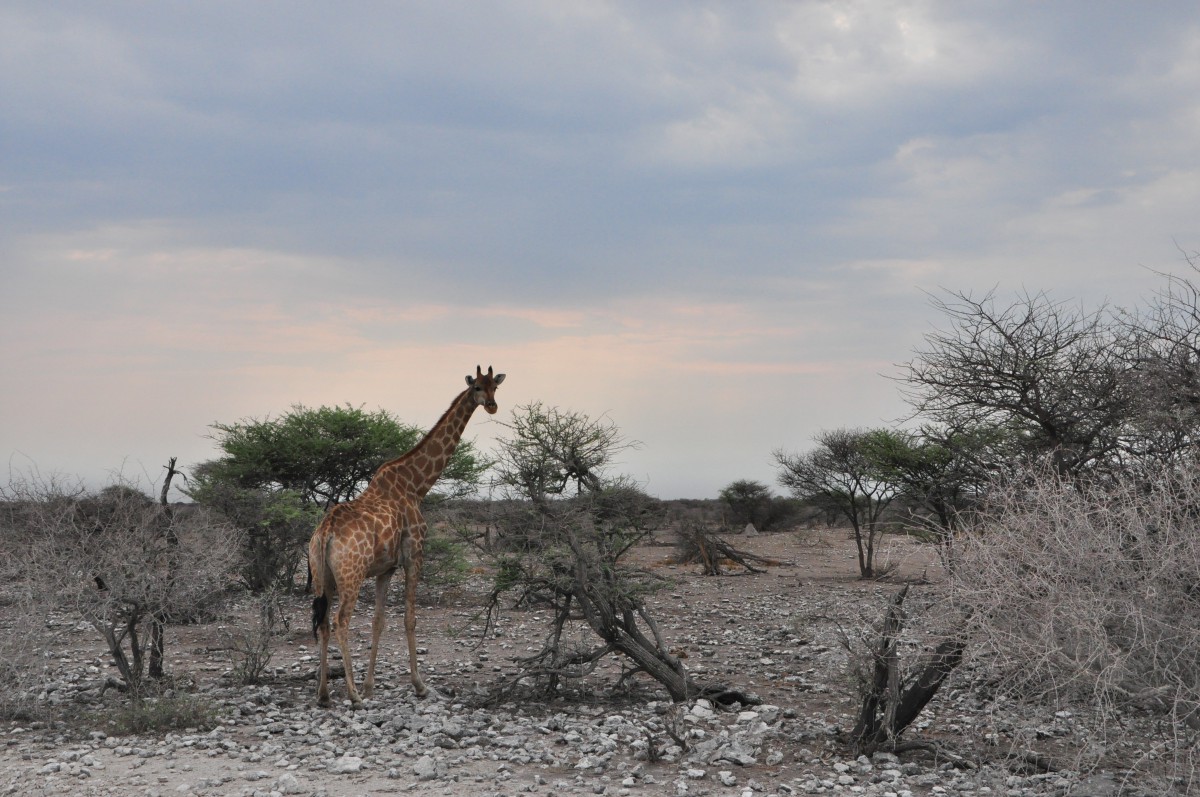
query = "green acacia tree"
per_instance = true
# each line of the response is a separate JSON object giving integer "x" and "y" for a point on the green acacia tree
{"x": 840, "y": 475}
{"x": 275, "y": 477}
{"x": 941, "y": 472}
{"x": 328, "y": 454}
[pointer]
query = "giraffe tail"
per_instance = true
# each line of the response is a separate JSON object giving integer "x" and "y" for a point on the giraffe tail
{"x": 316, "y": 564}
{"x": 320, "y": 609}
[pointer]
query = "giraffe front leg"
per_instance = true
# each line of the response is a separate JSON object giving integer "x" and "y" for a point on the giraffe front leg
{"x": 411, "y": 573}
{"x": 378, "y": 625}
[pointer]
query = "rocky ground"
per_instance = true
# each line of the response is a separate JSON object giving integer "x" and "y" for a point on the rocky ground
{"x": 776, "y": 634}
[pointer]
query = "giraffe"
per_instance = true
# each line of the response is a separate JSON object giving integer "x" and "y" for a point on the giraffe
{"x": 380, "y": 531}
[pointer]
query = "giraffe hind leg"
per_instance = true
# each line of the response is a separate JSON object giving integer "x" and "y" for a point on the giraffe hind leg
{"x": 378, "y": 625}
{"x": 342, "y": 632}
{"x": 321, "y": 632}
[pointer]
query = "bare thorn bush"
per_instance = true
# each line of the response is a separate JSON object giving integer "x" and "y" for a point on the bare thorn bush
{"x": 1090, "y": 591}
{"x": 115, "y": 560}
{"x": 253, "y": 647}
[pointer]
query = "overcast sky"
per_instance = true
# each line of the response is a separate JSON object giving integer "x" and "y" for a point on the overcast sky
{"x": 715, "y": 223}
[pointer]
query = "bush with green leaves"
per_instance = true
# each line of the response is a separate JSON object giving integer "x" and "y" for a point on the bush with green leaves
{"x": 751, "y": 502}
{"x": 275, "y": 525}
{"x": 445, "y": 565}
{"x": 162, "y": 714}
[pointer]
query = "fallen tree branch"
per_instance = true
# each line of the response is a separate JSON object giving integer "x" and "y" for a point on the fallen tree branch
{"x": 701, "y": 545}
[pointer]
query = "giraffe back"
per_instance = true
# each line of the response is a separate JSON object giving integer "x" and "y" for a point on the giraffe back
{"x": 365, "y": 537}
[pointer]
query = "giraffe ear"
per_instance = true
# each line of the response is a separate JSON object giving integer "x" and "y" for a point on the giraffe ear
{"x": 470, "y": 380}
{"x": 499, "y": 378}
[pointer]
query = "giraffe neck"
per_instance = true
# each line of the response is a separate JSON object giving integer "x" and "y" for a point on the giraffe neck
{"x": 415, "y": 473}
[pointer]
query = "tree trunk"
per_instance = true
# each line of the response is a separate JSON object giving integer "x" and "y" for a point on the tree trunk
{"x": 156, "y": 647}
{"x": 157, "y": 622}
{"x": 869, "y": 571}
{"x": 869, "y": 727}
{"x": 864, "y": 559}
{"x": 886, "y": 709}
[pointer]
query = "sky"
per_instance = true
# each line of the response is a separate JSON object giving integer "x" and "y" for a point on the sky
{"x": 717, "y": 225}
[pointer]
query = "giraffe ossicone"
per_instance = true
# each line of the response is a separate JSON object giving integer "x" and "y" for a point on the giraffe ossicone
{"x": 380, "y": 532}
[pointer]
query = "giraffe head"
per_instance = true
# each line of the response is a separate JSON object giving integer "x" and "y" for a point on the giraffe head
{"x": 483, "y": 388}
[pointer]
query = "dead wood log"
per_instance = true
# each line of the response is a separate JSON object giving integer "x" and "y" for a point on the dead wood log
{"x": 697, "y": 544}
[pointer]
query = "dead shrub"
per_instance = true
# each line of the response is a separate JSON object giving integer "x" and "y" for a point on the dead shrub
{"x": 253, "y": 646}
{"x": 115, "y": 560}
{"x": 1090, "y": 590}
{"x": 1087, "y": 594}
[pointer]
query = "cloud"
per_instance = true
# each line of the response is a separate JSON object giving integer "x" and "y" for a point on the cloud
{"x": 712, "y": 217}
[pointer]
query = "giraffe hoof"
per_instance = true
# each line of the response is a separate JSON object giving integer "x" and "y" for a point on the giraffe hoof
{"x": 356, "y": 705}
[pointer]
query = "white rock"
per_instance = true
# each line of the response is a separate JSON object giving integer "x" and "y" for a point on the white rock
{"x": 346, "y": 765}
{"x": 426, "y": 768}
{"x": 290, "y": 784}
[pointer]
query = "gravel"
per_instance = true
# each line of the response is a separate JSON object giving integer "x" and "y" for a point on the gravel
{"x": 776, "y": 634}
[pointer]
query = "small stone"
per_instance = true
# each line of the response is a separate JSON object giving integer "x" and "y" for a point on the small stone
{"x": 726, "y": 777}
{"x": 346, "y": 765}
{"x": 290, "y": 784}
{"x": 426, "y": 768}
{"x": 735, "y": 756}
